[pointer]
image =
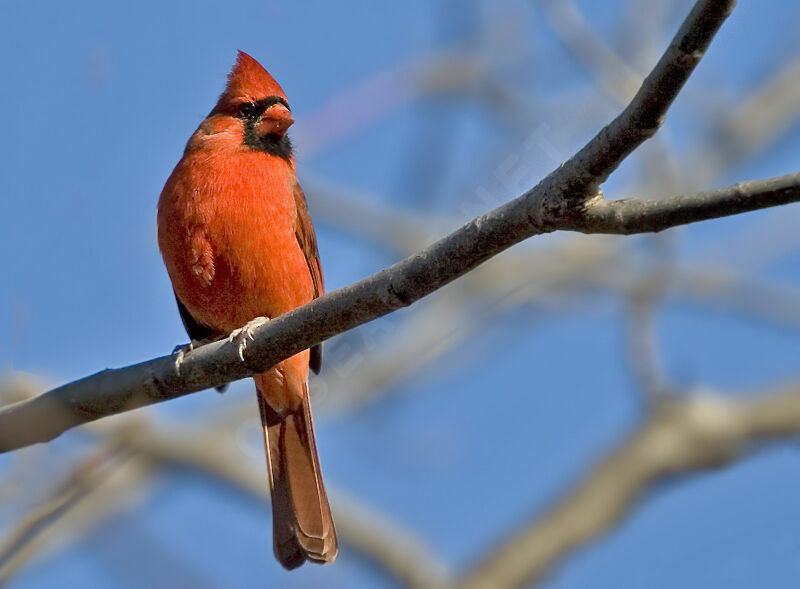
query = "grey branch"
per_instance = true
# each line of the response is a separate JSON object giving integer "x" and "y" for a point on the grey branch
{"x": 630, "y": 216}
{"x": 567, "y": 199}
{"x": 681, "y": 436}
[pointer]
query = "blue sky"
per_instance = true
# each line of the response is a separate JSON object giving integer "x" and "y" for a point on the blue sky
{"x": 99, "y": 100}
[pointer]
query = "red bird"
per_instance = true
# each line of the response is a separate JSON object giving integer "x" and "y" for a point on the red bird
{"x": 237, "y": 240}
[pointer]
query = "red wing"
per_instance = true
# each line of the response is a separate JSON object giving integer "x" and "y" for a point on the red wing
{"x": 304, "y": 232}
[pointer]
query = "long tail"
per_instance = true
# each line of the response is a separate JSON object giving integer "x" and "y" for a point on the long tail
{"x": 302, "y": 523}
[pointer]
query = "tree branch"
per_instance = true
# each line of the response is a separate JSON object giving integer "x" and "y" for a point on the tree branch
{"x": 566, "y": 199}
{"x": 631, "y": 216}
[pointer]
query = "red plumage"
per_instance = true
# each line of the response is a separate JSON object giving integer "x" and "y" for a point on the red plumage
{"x": 238, "y": 244}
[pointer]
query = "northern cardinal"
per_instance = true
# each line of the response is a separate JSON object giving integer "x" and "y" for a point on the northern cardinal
{"x": 239, "y": 247}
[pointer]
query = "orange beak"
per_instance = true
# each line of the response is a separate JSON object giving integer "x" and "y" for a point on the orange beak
{"x": 275, "y": 120}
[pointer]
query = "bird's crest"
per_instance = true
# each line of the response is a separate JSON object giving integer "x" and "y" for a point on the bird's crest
{"x": 248, "y": 82}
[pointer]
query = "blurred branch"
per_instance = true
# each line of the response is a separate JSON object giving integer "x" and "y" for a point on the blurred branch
{"x": 567, "y": 199}
{"x": 375, "y": 97}
{"x": 359, "y": 105}
{"x": 401, "y": 230}
{"x": 642, "y": 340}
{"x": 617, "y": 79}
{"x": 641, "y": 29}
{"x": 767, "y": 113}
{"x": 680, "y": 437}
{"x": 778, "y": 304}
{"x": 21, "y": 543}
{"x": 388, "y": 545}
{"x": 214, "y": 452}
{"x": 383, "y": 541}
{"x": 450, "y": 319}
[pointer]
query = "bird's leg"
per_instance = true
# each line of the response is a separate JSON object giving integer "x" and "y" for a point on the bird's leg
{"x": 241, "y": 335}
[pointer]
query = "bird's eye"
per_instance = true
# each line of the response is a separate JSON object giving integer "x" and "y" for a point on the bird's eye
{"x": 249, "y": 110}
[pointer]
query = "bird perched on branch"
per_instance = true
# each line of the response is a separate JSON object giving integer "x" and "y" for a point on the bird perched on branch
{"x": 239, "y": 247}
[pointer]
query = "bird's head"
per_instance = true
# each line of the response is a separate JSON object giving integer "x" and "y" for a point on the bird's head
{"x": 254, "y": 97}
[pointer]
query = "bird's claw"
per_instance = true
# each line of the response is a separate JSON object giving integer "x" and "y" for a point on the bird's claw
{"x": 241, "y": 335}
{"x": 179, "y": 352}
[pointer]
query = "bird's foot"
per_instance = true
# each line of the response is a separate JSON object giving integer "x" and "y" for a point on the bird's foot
{"x": 182, "y": 349}
{"x": 241, "y": 335}
{"x": 179, "y": 352}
